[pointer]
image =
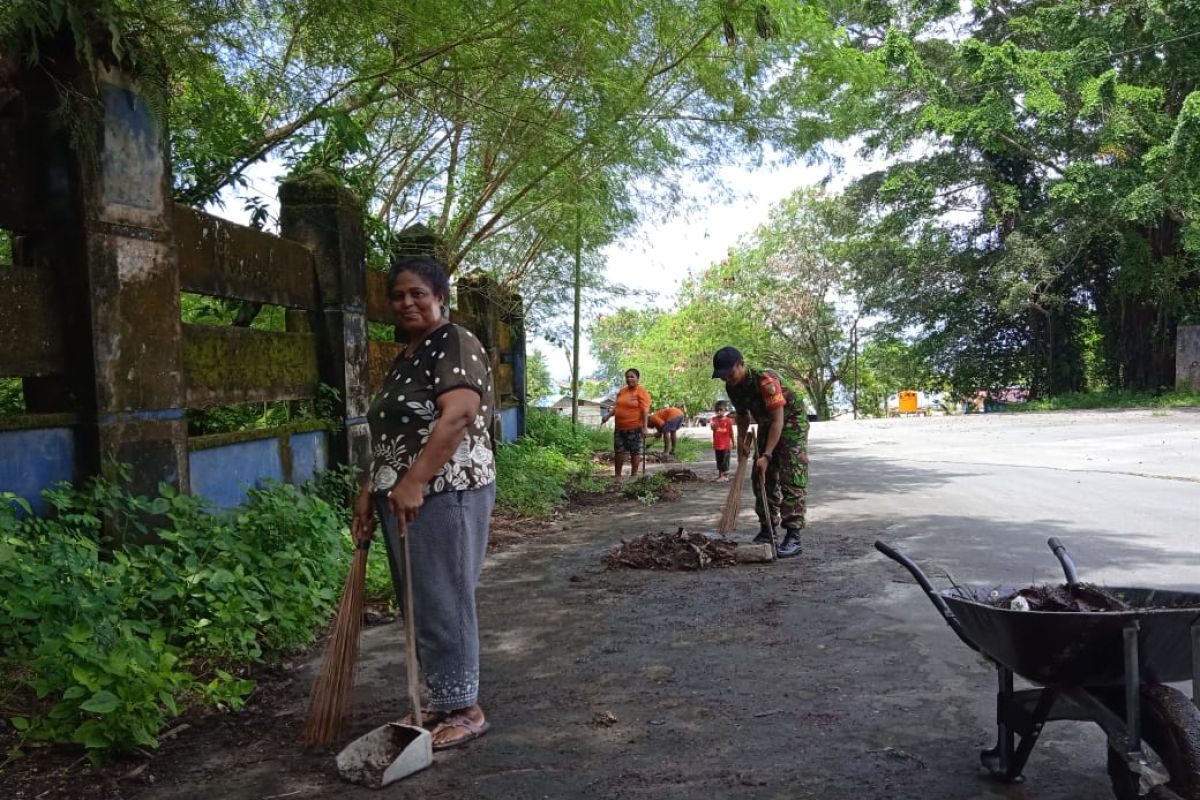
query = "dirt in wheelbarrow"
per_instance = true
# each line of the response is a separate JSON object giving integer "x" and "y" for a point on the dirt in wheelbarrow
{"x": 1080, "y": 597}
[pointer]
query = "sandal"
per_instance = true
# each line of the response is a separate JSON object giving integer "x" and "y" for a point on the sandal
{"x": 430, "y": 718}
{"x": 474, "y": 730}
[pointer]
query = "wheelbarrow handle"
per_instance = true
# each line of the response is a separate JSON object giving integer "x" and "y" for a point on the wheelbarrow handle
{"x": 1068, "y": 565}
{"x": 934, "y": 597}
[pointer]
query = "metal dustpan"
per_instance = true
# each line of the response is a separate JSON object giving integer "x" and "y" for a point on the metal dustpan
{"x": 393, "y": 751}
{"x": 386, "y": 754}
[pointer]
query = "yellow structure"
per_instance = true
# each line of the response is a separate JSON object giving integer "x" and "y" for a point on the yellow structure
{"x": 908, "y": 402}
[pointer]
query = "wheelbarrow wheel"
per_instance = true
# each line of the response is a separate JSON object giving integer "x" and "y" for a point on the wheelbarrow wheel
{"x": 1171, "y": 729}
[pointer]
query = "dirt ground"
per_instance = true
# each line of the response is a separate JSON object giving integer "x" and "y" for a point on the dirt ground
{"x": 786, "y": 680}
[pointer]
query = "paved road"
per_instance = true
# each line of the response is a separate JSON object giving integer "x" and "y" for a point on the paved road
{"x": 981, "y": 494}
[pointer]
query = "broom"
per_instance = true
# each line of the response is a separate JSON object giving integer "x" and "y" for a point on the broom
{"x": 733, "y": 503}
{"x": 327, "y": 705}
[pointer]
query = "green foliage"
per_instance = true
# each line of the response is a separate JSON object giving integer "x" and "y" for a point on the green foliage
{"x": 646, "y": 489}
{"x": 539, "y": 385}
{"x": 772, "y": 298}
{"x": 103, "y": 645}
{"x": 265, "y": 416}
{"x": 1033, "y": 223}
{"x": 12, "y": 397}
{"x": 533, "y": 472}
{"x": 530, "y": 477}
{"x": 887, "y": 365}
{"x": 1116, "y": 398}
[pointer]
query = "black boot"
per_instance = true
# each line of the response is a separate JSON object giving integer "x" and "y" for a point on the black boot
{"x": 790, "y": 546}
{"x": 764, "y": 536}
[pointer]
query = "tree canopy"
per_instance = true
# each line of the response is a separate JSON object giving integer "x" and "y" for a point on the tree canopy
{"x": 1042, "y": 196}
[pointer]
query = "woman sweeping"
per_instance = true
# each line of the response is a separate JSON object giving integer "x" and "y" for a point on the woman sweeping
{"x": 433, "y": 469}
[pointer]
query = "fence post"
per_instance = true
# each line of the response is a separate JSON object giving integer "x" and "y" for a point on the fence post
{"x": 326, "y": 217}
{"x": 116, "y": 272}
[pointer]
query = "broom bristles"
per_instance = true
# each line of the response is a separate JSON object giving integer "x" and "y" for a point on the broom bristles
{"x": 331, "y": 692}
{"x": 733, "y": 502}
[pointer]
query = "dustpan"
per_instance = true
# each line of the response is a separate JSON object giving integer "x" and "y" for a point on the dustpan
{"x": 393, "y": 751}
{"x": 386, "y": 754}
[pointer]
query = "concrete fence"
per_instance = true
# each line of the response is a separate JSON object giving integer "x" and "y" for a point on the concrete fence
{"x": 90, "y": 315}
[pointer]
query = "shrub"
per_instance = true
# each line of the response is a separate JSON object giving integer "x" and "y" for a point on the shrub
{"x": 531, "y": 477}
{"x": 532, "y": 473}
{"x": 103, "y": 644}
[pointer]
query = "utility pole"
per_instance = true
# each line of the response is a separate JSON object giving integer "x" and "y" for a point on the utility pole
{"x": 854, "y": 344}
{"x": 578, "y": 291}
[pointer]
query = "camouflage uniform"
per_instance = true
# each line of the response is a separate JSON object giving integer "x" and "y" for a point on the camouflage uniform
{"x": 758, "y": 394}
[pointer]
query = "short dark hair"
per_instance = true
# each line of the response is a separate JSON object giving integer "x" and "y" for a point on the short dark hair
{"x": 636, "y": 374}
{"x": 427, "y": 268}
{"x": 721, "y": 404}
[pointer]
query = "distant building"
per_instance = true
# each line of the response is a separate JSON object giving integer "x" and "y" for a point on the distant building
{"x": 590, "y": 411}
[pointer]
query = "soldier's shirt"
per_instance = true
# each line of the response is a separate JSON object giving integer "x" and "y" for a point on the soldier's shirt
{"x": 761, "y": 392}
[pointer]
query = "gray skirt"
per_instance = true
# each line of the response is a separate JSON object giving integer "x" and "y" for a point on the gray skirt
{"x": 448, "y": 541}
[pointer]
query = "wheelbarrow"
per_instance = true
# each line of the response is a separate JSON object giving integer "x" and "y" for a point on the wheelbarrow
{"x": 1107, "y": 667}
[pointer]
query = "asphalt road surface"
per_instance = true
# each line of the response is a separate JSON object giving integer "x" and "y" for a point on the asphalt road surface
{"x": 980, "y": 494}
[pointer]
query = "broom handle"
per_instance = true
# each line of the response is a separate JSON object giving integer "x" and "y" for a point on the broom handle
{"x": 410, "y": 634}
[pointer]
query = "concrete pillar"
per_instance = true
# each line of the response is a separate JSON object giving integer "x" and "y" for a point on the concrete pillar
{"x": 112, "y": 250}
{"x": 134, "y": 293}
{"x": 326, "y": 217}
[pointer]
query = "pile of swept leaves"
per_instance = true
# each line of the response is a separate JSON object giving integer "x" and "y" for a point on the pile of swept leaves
{"x": 682, "y": 550}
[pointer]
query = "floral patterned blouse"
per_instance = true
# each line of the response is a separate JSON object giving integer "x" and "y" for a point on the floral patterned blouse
{"x": 405, "y": 412}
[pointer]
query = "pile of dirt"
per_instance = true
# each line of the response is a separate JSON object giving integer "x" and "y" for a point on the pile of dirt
{"x": 681, "y": 475}
{"x": 682, "y": 550}
{"x": 1082, "y": 597}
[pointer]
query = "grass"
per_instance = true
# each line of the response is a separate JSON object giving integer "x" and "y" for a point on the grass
{"x": 1110, "y": 399}
{"x": 533, "y": 473}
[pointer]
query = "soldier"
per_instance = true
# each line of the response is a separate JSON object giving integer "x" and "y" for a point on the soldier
{"x": 782, "y": 444}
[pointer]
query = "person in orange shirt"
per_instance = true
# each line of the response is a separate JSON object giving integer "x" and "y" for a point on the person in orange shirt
{"x": 632, "y": 411}
{"x": 664, "y": 423}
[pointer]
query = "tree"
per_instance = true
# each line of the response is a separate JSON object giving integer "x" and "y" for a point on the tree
{"x": 1043, "y": 183}
{"x": 780, "y": 289}
{"x": 775, "y": 298}
{"x": 887, "y": 365}
{"x": 538, "y": 384}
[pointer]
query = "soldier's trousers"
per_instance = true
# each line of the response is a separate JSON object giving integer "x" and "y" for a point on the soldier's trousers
{"x": 787, "y": 486}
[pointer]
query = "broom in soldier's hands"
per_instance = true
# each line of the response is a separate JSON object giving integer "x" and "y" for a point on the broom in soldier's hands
{"x": 331, "y": 692}
{"x": 733, "y": 502}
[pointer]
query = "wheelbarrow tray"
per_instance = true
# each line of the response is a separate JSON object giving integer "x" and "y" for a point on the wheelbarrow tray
{"x": 1080, "y": 648}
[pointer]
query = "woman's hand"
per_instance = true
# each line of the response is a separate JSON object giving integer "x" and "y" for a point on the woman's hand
{"x": 762, "y": 463}
{"x": 362, "y": 523}
{"x": 405, "y": 499}
{"x": 743, "y": 449}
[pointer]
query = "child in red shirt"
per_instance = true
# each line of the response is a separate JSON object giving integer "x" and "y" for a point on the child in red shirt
{"x": 722, "y": 428}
